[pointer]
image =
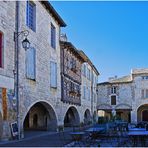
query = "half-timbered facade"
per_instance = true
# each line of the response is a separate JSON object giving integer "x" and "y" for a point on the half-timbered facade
{"x": 71, "y": 63}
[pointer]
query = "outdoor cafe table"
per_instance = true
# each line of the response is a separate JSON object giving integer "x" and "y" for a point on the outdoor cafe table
{"x": 95, "y": 129}
{"x": 137, "y": 129}
{"x": 138, "y": 135}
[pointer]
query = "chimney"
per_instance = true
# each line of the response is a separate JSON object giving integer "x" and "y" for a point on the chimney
{"x": 112, "y": 78}
{"x": 63, "y": 37}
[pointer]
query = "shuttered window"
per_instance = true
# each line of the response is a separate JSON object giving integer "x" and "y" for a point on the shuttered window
{"x": 53, "y": 36}
{"x": 31, "y": 15}
{"x": 30, "y": 63}
{"x": 1, "y": 49}
{"x": 53, "y": 74}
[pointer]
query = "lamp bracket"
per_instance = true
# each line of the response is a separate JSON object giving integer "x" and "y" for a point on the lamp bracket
{"x": 24, "y": 33}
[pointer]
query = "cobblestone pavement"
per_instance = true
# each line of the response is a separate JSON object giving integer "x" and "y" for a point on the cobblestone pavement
{"x": 41, "y": 140}
{"x": 55, "y": 139}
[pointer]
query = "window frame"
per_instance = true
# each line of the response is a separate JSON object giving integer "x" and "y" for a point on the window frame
{"x": 28, "y": 3}
{"x": 112, "y": 101}
{"x": 56, "y": 81}
{"x": 2, "y": 50}
{"x": 28, "y": 76}
{"x": 53, "y": 36}
{"x": 113, "y": 90}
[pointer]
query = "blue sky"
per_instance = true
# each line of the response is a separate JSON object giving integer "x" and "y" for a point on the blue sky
{"x": 114, "y": 35}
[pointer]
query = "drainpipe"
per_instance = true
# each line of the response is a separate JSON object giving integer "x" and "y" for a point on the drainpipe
{"x": 16, "y": 74}
{"x": 92, "y": 95}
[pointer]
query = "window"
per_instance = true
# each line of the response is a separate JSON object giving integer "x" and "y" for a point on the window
{"x": 53, "y": 36}
{"x": 96, "y": 80}
{"x": 72, "y": 86}
{"x": 113, "y": 90}
{"x": 88, "y": 93}
{"x": 1, "y": 50}
{"x": 144, "y": 77}
{"x": 84, "y": 70}
{"x": 53, "y": 74}
{"x": 88, "y": 74}
{"x": 31, "y": 15}
{"x": 146, "y": 93}
{"x": 30, "y": 63}
{"x": 142, "y": 93}
{"x": 113, "y": 100}
{"x": 73, "y": 64}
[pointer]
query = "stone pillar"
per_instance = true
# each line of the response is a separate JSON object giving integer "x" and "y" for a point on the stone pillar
{"x": 134, "y": 116}
{"x": 6, "y": 131}
{"x": 114, "y": 112}
{"x": 21, "y": 131}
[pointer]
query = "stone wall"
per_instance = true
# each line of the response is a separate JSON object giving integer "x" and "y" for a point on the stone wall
{"x": 129, "y": 96}
{"x": 39, "y": 90}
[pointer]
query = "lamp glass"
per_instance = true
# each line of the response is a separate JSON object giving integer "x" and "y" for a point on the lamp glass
{"x": 26, "y": 44}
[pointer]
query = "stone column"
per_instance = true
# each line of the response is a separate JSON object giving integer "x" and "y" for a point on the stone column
{"x": 133, "y": 116}
{"x": 6, "y": 131}
{"x": 114, "y": 112}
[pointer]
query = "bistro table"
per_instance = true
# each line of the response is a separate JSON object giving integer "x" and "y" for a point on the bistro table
{"x": 95, "y": 129}
{"x": 136, "y": 129}
{"x": 138, "y": 136}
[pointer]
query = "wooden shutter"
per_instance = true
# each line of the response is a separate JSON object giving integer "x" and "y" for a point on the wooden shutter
{"x": 1, "y": 49}
{"x": 53, "y": 74}
{"x": 30, "y": 63}
{"x": 53, "y": 36}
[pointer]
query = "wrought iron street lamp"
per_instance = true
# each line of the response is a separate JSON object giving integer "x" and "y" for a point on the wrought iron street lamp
{"x": 25, "y": 42}
{"x": 26, "y": 46}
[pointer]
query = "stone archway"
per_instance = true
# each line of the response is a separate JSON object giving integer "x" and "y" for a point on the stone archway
{"x": 87, "y": 116}
{"x": 71, "y": 117}
{"x": 1, "y": 125}
{"x": 40, "y": 116}
{"x": 107, "y": 111}
{"x": 142, "y": 113}
{"x": 123, "y": 112}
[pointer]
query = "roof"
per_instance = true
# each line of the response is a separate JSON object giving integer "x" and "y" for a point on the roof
{"x": 124, "y": 79}
{"x": 140, "y": 71}
{"x": 49, "y": 7}
{"x": 89, "y": 61}
{"x": 128, "y": 78}
{"x": 73, "y": 48}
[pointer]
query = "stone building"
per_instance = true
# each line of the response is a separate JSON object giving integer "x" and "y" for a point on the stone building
{"x": 39, "y": 67}
{"x": 71, "y": 63}
{"x": 40, "y": 105}
{"x": 89, "y": 88}
{"x": 79, "y": 80}
{"x": 126, "y": 97}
